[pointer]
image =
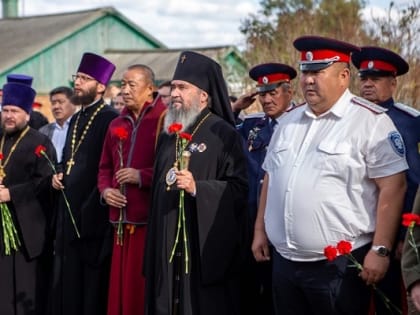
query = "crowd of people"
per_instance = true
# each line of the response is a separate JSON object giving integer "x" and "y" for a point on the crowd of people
{"x": 169, "y": 202}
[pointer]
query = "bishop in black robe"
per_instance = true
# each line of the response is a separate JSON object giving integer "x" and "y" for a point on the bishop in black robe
{"x": 215, "y": 222}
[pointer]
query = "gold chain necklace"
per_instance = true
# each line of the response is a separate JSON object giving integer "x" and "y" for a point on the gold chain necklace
{"x": 75, "y": 147}
{"x": 3, "y": 165}
{"x": 170, "y": 175}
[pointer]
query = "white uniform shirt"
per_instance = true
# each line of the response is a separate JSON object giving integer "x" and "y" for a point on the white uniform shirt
{"x": 320, "y": 171}
{"x": 59, "y": 137}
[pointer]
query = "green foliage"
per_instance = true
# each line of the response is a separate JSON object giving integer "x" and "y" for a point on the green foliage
{"x": 271, "y": 31}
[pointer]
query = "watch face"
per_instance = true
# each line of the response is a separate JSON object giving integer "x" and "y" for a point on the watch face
{"x": 382, "y": 251}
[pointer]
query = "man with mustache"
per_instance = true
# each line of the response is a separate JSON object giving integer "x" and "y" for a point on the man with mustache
{"x": 197, "y": 272}
{"x": 81, "y": 265}
{"x": 274, "y": 92}
{"x": 334, "y": 172}
{"x": 378, "y": 71}
{"x": 26, "y": 191}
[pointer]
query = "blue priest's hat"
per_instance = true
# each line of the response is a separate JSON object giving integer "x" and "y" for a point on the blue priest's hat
{"x": 19, "y": 78}
{"x": 379, "y": 62}
{"x": 318, "y": 52}
{"x": 18, "y": 94}
{"x": 270, "y": 75}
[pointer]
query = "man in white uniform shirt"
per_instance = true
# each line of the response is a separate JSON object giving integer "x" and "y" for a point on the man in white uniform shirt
{"x": 62, "y": 109}
{"x": 334, "y": 172}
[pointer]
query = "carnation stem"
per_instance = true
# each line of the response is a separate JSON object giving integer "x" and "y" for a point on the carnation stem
{"x": 120, "y": 229}
{"x": 412, "y": 241}
{"x": 184, "y": 231}
{"x": 64, "y": 196}
{"x": 10, "y": 235}
{"x": 389, "y": 305}
{"x": 178, "y": 228}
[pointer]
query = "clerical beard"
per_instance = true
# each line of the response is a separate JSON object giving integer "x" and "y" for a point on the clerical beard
{"x": 182, "y": 115}
{"x": 18, "y": 127}
{"x": 86, "y": 98}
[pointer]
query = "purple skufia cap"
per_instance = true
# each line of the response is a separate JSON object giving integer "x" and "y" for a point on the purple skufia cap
{"x": 18, "y": 94}
{"x": 97, "y": 67}
{"x": 19, "y": 78}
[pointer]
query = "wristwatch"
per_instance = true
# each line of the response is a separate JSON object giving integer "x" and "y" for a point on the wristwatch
{"x": 381, "y": 250}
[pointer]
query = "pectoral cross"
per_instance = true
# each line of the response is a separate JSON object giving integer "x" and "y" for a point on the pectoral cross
{"x": 70, "y": 163}
{"x": 2, "y": 173}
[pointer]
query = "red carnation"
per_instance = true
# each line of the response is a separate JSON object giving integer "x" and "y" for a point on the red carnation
{"x": 38, "y": 151}
{"x": 174, "y": 128}
{"x": 344, "y": 247}
{"x": 121, "y": 133}
{"x": 330, "y": 252}
{"x": 1, "y": 156}
{"x": 186, "y": 136}
{"x": 409, "y": 218}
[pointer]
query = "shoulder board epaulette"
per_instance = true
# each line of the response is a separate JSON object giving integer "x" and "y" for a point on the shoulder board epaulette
{"x": 368, "y": 105}
{"x": 255, "y": 115}
{"x": 407, "y": 109}
{"x": 295, "y": 106}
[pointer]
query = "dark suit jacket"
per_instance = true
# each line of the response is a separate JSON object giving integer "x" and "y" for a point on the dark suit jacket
{"x": 47, "y": 130}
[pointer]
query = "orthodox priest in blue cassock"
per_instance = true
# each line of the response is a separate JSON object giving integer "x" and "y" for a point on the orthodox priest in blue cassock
{"x": 194, "y": 246}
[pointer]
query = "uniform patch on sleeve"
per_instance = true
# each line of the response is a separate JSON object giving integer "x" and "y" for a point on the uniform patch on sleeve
{"x": 397, "y": 142}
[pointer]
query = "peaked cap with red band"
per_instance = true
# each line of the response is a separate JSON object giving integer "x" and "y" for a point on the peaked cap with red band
{"x": 270, "y": 75}
{"x": 379, "y": 61}
{"x": 318, "y": 52}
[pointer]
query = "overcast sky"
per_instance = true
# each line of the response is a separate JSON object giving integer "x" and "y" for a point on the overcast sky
{"x": 176, "y": 23}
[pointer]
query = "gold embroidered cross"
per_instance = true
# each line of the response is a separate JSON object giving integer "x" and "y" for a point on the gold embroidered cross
{"x": 70, "y": 163}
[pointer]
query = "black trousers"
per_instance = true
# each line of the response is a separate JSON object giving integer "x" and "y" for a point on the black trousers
{"x": 321, "y": 287}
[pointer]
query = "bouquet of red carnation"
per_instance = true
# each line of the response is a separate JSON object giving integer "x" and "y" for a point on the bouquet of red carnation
{"x": 10, "y": 234}
{"x": 411, "y": 220}
{"x": 182, "y": 161}
{"x": 122, "y": 134}
{"x": 345, "y": 248}
{"x": 40, "y": 150}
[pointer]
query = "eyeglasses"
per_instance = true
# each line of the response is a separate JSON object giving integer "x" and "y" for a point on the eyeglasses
{"x": 82, "y": 78}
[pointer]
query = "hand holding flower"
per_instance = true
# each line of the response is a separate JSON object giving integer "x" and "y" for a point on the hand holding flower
{"x": 121, "y": 135}
{"x": 4, "y": 194}
{"x": 369, "y": 271}
{"x": 114, "y": 198}
{"x": 185, "y": 180}
{"x": 185, "y": 183}
{"x": 40, "y": 151}
{"x": 374, "y": 268}
{"x": 127, "y": 176}
{"x": 56, "y": 181}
